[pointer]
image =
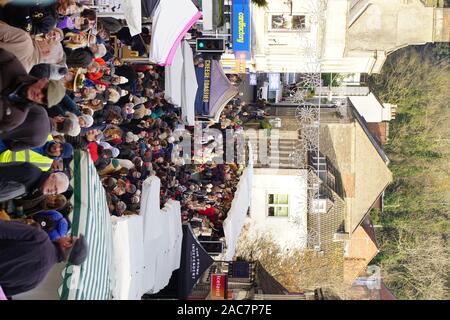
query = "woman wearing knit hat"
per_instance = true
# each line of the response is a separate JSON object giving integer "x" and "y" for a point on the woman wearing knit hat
{"x": 85, "y": 121}
{"x": 53, "y": 223}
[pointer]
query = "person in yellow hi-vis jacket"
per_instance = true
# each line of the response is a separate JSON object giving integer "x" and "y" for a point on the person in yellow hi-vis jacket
{"x": 42, "y": 157}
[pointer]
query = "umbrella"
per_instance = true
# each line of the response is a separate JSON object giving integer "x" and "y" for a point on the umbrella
{"x": 133, "y": 15}
{"x": 222, "y": 91}
{"x": 171, "y": 21}
{"x": 214, "y": 90}
{"x": 194, "y": 262}
{"x": 92, "y": 280}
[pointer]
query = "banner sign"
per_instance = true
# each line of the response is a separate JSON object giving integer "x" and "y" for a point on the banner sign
{"x": 240, "y": 62}
{"x": 219, "y": 287}
{"x": 241, "y": 27}
{"x": 202, "y": 98}
{"x": 207, "y": 81}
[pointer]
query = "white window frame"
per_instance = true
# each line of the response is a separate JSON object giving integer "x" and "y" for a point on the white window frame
{"x": 286, "y": 15}
{"x": 277, "y": 205}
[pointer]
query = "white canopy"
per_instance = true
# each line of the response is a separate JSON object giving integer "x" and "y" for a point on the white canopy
{"x": 133, "y": 14}
{"x": 181, "y": 83}
{"x": 237, "y": 214}
{"x": 173, "y": 79}
{"x": 147, "y": 247}
{"x": 189, "y": 86}
{"x": 130, "y": 10}
{"x": 171, "y": 21}
{"x": 162, "y": 236}
{"x": 128, "y": 259}
{"x": 169, "y": 256}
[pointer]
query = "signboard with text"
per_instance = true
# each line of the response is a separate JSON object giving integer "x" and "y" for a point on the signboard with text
{"x": 241, "y": 27}
{"x": 219, "y": 287}
{"x": 240, "y": 62}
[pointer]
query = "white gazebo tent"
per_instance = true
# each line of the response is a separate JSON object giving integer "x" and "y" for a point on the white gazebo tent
{"x": 94, "y": 278}
{"x": 181, "y": 83}
{"x": 171, "y": 21}
{"x": 237, "y": 214}
{"x": 128, "y": 256}
{"x": 147, "y": 248}
{"x": 130, "y": 10}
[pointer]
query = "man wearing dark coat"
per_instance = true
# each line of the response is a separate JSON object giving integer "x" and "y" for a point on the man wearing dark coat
{"x": 24, "y": 122}
{"x": 27, "y": 255}
{"x": 33, "y": 181}
{"x": 35, "y": 19}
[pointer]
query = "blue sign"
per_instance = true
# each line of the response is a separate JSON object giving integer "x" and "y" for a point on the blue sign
{"x": 241, "y": 27}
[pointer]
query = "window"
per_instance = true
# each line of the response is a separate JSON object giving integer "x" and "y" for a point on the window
{"x": 298, "y": 23}
{"x": 288, "y": 22}
{"x": 278, "y": 205}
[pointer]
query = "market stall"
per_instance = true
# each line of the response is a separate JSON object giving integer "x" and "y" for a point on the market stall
{"x": 214, "y": 90}
{"x": 172, "y": 19}
{"x": 237, "y": 214}
{"x": 180, "y": 83}
{"x": 93, "y": 279}
{"x": 194, "y": 262}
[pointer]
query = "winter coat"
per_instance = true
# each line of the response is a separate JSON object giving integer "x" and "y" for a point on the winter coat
{"x": 33, "y": 19}
{"x": 26, "y": 256}
{"x": 29, "y": 51}
{"x": 24, "y": 175}
{"x": 22, "y": 125}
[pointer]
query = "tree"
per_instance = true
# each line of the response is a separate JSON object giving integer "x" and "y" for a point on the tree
{"x": 414, "y": 243}
{"x": 260, "y": 3}
{"x": 417, "y": 266}
{"x": 296, "y": 269}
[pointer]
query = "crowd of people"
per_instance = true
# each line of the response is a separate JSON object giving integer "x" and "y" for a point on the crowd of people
{"x": 62, "y": 89}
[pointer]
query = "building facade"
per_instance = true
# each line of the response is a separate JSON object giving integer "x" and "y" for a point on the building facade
{"x": 349, "y": 36}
